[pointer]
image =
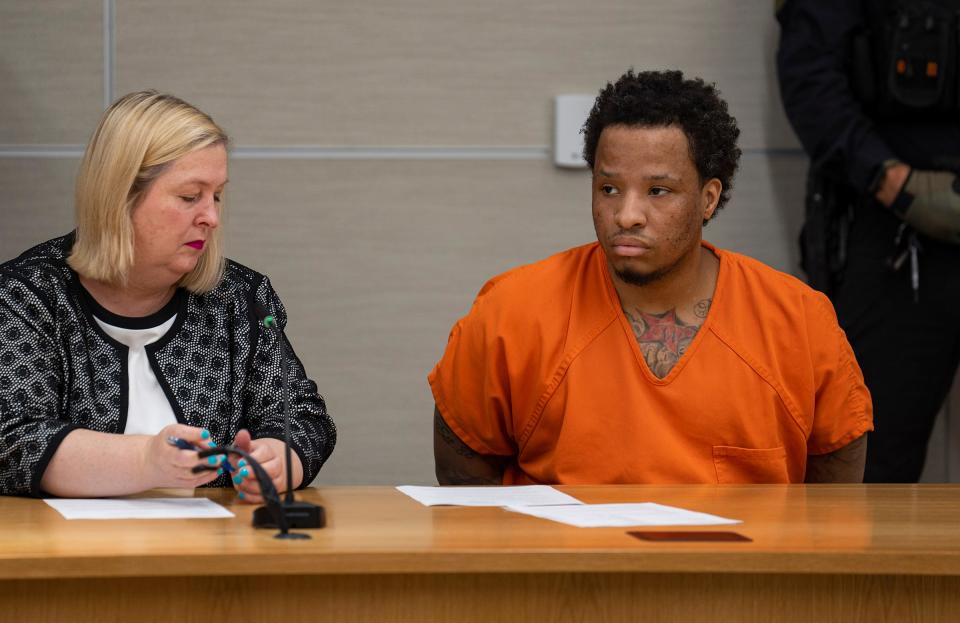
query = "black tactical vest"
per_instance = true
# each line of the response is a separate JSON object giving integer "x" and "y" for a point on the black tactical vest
{"x": 905, "y": 62}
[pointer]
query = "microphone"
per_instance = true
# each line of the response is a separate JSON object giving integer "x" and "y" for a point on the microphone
{"x": 296, "y": 514}
{"x": 273, "y": 505}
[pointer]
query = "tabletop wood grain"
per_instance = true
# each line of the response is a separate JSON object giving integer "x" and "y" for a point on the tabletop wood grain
{"x": 796, "y": 529}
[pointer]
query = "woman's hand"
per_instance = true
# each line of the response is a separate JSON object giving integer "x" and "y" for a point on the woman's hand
{"x": 165, "y": 465}
{"x": 269, "y": 453}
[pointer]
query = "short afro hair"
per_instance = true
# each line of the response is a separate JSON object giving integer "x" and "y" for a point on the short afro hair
{"x": 664, "y": 98}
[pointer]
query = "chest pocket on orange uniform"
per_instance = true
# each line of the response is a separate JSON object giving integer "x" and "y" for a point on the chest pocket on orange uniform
{"x": 750, "y": 465}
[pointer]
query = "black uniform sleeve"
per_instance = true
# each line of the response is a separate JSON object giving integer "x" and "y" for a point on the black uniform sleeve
{"x": 816, "y": 91}
{"x": 31, "y": 381}
{"x": 312, "y": 431}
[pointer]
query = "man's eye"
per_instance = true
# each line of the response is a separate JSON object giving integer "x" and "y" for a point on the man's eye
{"x": 657, "y": 191}
{"x": 609, "y": 189}
{"x": 216, "y": 197}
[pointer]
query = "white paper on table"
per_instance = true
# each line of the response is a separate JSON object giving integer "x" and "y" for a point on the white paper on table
{"x": 620, "y": 515}
{"x": 530, "y": 495}
{"x": 146, "y": 508}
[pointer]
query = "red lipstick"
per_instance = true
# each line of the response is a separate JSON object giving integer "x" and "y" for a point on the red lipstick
{"x": 196, "y": 244}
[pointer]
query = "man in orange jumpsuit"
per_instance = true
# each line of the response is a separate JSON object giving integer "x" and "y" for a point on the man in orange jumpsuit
{"x": 650, "y": 356}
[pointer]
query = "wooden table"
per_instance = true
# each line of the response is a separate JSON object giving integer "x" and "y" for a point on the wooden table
{"x": 819, "y": 553}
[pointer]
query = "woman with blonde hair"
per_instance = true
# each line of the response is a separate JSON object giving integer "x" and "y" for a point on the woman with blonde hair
{"x": 133, "y": 331}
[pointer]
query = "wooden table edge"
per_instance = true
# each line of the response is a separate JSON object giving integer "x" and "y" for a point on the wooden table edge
{"x": 311, "y": 563}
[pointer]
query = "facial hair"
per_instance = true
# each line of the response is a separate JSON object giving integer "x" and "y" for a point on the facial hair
{"x": 635, "y": 278}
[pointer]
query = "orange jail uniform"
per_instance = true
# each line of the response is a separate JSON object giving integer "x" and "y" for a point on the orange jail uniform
{"x": 545, "y": 368}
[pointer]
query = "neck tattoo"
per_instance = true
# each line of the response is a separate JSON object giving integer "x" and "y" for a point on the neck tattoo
{"x": 663, "y": 338}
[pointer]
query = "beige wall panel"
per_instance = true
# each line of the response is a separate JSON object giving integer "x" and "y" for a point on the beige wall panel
{"x": 943, "y": 450}
{"x": 765, "y": 213}
{"x": 375, "y": 260}
{"x": 37, "y": 202}
{"x": 436, "y": 72}
{"x": 51, "y": 69}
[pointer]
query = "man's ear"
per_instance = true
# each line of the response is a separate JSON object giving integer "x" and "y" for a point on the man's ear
{"x": 710, "y": 195}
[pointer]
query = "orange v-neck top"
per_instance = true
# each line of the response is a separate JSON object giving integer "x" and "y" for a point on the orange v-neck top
{"x": 546, "y": 369}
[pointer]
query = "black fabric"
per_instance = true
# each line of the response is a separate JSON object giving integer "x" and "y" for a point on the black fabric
{"x": 176, "y": 304}
{"x": 893, "y": 55}
{"x": 908, "y": 350}
{"x": 814, "y": 66}
{"x": 902, "y": 202}
{"x": 59, "y": 371}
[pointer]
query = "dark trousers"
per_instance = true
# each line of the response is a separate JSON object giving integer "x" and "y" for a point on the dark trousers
{"x": 908, "y": 350}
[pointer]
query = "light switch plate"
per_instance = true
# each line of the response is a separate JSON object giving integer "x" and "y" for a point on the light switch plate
{"x": 570, "y": 112}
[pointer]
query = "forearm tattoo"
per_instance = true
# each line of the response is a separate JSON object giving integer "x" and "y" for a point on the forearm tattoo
{"x": 663, "y": 338}
{"x": 450, "y": 438}
{"x": 457, "y": 463}
{"x": 460, "y": 477}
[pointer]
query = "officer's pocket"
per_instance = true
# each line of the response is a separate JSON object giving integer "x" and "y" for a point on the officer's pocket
{"x": 750, "y": 465}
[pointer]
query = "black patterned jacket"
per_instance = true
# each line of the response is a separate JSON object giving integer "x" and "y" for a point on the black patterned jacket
{"x": 59, "y": 371}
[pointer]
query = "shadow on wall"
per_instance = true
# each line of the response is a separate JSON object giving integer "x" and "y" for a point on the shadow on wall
{"x": 787, "y": 162}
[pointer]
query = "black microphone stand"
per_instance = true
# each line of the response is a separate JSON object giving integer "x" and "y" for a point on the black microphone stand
{"x": 296, "y": 514}
{"x": 273, "y": 505}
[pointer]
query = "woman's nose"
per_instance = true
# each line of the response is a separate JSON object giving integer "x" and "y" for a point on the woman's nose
{"x": 209, "y": 214}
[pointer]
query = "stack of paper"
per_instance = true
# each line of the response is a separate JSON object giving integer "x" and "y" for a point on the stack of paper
{"x": 618, "y": 515}
{"x": 148, "y": 508}
{"x": 534, "y": 495}
{"x": 548, "y": 503}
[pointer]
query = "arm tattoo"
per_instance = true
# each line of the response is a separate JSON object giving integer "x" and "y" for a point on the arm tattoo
{"x": 456, "y": 463}
{"x": 450, "y": 438}
{"x": 459, "y": 477}
{"x": 663, "y": 338}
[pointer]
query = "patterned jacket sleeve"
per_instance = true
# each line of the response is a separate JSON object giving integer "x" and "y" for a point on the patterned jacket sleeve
{"x": 313, "y": 433}
{"x": 31, "y": 380}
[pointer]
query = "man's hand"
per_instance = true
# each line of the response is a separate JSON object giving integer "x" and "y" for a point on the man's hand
{"x": 926, "y": 200}
{"x": 456, "y": 462}
{"x": 894, "y": 177}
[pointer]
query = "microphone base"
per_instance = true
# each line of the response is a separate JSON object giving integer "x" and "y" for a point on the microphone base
{"x": 298, "y": 515}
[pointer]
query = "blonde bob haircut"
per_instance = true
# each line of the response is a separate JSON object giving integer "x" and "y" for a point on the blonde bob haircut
{"x": 137, "y": 139}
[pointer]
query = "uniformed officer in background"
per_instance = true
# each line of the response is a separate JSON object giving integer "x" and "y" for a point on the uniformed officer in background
{"x": 872, "y": 89}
